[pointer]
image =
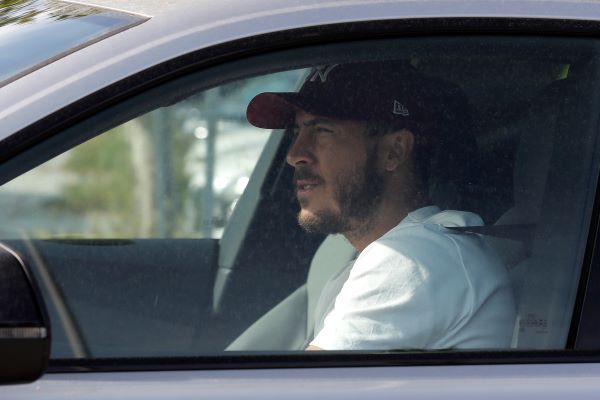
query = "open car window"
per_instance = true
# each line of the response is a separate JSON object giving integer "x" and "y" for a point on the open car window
{"x": 168, "y": 224}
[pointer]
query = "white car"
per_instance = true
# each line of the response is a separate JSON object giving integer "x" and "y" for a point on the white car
{"x": 123, "y": 128}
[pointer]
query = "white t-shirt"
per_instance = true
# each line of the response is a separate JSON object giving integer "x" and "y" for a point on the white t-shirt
{"x": 419, "y": 286}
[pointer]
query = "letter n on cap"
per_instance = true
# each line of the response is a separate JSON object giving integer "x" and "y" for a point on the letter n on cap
{"x": 322, "y": 72}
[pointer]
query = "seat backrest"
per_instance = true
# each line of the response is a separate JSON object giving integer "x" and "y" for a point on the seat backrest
{"x": 536, "y": 142}
{"x": 290, "y": 325}
{"x": 549, "y": 179}
{"x": 333, "y": 255}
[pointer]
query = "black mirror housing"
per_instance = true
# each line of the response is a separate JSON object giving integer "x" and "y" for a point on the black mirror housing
{"x": 24, "y": 323}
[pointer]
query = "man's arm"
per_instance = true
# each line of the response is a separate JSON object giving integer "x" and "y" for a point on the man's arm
{"x": 313, "y": 348}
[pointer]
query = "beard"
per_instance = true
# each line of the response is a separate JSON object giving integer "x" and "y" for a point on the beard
{"x": 358, "y": 193}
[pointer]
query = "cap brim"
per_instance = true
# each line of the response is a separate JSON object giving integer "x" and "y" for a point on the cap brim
{"x": 272, "y": 110}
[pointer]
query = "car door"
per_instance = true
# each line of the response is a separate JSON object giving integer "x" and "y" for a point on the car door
{"x": 162, "y": 227}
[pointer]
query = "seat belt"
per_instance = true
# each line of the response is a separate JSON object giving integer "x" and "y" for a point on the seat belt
{"x": 521, "y": 232}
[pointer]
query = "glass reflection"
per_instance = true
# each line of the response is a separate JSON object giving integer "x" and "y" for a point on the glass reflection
{"x": 36, "y": 33}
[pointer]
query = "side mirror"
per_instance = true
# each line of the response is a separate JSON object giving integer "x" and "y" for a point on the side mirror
{"x": 24, "y": 327}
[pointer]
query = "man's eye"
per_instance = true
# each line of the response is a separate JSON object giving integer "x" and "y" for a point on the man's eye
{"x": 322, "y": 129}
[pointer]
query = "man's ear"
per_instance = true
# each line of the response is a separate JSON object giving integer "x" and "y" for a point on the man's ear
{"x": 398, "y": 147}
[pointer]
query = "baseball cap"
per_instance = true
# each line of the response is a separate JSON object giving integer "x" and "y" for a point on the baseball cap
{"x": 386, "y": 91}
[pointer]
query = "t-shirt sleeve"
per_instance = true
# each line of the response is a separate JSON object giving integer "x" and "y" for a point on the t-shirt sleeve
{"x": 390, "y": 301}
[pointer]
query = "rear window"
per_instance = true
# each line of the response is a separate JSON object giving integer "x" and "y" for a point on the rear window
{"x": 36, "y": 33}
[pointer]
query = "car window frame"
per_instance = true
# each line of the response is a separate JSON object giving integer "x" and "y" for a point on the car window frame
{"x": 580, "y": 345}
{"x": 585, "y": 325}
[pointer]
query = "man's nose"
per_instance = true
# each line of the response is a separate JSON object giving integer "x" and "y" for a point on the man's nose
{"x": 301, "y": 150}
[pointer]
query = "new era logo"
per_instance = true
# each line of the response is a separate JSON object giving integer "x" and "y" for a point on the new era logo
{"x": 399, "y": 109}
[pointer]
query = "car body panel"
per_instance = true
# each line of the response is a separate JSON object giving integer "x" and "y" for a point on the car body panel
{"x": 198, "y": 25}
{"x": 536, "y": 381}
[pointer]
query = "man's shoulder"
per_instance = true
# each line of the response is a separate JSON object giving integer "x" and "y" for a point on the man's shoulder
{"x": 425, "y": 228}
{"x": 428, "y": 244}
{"x": 454, "y": 218}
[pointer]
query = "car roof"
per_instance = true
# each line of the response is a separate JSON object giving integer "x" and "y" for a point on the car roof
{"x": 178, "y": 27}
{"x": 433, "y": 7}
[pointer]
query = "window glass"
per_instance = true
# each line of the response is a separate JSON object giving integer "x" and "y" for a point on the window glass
{"x": 147, "y": 178}
{"x": 33, "y": 33}
{"x": 409, "y": 194}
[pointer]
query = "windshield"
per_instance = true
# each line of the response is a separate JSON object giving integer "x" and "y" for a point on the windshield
{"x": 36, "y": 33}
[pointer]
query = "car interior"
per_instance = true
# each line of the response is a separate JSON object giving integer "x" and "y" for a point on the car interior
{"x": 526, "y": 163}
{"x": 537, "y": 236}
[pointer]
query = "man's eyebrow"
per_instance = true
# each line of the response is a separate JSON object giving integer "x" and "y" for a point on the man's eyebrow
{"x": 316, "y": 121}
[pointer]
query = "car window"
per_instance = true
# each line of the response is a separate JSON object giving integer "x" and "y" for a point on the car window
{"x": 415, "y": 194}
{"x": 35, "y": 33}
{"x": 176, "y": 172}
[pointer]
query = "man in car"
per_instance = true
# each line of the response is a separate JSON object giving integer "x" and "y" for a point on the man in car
{"x": 364, "y": 134}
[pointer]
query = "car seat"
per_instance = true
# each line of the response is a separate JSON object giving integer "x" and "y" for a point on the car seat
{"x": 289, "y": 325}
{"x": 544, "y": 233}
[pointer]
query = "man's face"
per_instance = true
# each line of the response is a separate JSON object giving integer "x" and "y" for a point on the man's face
{"x": 337, "y": 181}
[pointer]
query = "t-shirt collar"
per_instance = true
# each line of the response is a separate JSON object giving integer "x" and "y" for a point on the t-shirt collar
{"x": 420, "y": 214}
